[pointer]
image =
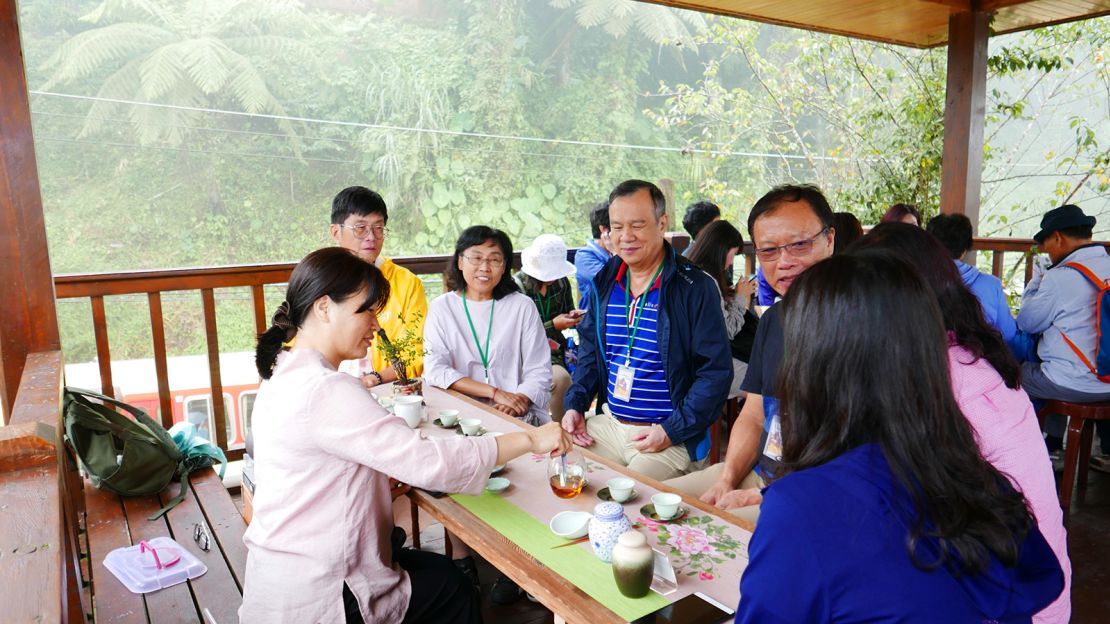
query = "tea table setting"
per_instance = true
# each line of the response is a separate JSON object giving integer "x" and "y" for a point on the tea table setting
{"x": 592, "y": 541}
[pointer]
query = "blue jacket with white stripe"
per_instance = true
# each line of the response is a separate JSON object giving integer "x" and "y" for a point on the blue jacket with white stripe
{"x": 693, "y": 345}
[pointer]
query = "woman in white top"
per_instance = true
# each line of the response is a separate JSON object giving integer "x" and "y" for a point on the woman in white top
{"x": 318, "y": 544}
{"x": 483, "y": 337}
{"x": 714, "y": 251}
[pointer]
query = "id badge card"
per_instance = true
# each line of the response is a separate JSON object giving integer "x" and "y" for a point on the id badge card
{"x": 773, "y": 447}
{"x": 622, "y": 388}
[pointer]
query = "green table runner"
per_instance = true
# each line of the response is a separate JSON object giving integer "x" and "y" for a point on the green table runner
{"x": 574, "y": 563}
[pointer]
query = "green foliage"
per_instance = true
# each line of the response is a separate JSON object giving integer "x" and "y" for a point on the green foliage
{"x": 865, "y": 120}
{"x": 520, "y": 114}
{"x": 403, "y": 350}
{"x": 183, "y": 55}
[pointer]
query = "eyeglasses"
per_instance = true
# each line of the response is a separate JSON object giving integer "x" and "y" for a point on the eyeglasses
{"x": 495, "y": 262}
{"x": 363, "y": 230}
{"x": 200, "y": 536}
{"x": 796, "y": 249}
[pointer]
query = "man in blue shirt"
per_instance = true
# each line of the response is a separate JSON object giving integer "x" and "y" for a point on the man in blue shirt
{"x": 592, "y": 258}
{"x": 652, "y": 347}
{"x": 955, "y": 233}
{"x": 791, "y": 228}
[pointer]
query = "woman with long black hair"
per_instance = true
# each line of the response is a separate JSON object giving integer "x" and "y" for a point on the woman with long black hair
{"x": 986, "y": 383}
{"x": 318, "y": 547}
{"x": 883, "y": 509}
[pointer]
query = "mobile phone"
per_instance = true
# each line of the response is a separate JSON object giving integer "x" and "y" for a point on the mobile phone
{"x": 576, "y": 313}
{"x": 752, "y": 277}
{"x": 697, "y": 608}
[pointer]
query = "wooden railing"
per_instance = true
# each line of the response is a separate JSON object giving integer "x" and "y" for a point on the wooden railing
{"x": 40, "y": 493}
{"x": 97, "y": 286}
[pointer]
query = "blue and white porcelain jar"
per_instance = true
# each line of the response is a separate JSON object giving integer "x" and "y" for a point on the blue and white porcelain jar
{"x": 606, "y": 527}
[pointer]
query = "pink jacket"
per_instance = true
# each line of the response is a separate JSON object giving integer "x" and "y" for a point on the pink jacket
{"x": 322, "y": 508}
{"x": 1010, "y": 439}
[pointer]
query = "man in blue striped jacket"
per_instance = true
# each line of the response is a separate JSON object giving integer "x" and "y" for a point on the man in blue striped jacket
{"x": 653, "y": 347}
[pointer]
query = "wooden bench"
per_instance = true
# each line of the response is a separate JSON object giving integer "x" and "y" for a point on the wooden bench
{"x": 55, "y": 528}
{"x": 114, "y": 521}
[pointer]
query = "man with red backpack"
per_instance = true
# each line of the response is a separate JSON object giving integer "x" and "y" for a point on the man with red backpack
{"x": 1061, "y": 304}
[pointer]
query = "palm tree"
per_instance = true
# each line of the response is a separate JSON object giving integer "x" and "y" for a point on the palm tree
{"x": 659, "y": 24}
{"x": 182, "y": 54}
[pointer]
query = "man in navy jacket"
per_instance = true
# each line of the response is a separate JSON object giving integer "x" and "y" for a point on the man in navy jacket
{"x": 653, "y": 347}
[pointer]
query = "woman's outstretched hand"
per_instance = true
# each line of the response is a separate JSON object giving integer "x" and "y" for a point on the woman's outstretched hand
{"x": 550, "y": 438}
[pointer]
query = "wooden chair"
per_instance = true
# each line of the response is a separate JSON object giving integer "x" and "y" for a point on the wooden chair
{"x": 1077, "y": 454}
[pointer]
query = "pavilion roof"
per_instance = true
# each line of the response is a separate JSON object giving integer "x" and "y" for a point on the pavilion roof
{"x": 916, "y": 23}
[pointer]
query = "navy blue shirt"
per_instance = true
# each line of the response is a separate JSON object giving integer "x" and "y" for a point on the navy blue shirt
{"x": 762, "y": 375}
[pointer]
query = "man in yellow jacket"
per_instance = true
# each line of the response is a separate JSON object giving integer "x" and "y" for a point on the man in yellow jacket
{"x": 358, "y": 223}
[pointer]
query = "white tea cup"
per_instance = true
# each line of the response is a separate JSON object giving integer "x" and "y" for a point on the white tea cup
{"x": 410, "y": 408}
{"x": 470, "y": 426}
{"x": 666, "y": 504}
{"x": 449, "y": 417}
{"x": 620, "y": 488}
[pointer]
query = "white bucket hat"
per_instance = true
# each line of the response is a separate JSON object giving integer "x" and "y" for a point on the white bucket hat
{"x": 546, "y": 259}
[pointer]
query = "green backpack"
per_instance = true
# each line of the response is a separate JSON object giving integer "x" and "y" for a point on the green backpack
{"x": 130, "y": 457}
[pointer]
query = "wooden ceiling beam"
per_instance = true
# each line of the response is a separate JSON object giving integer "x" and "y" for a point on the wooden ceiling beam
{"x": 912, "y": 23}
{"x": 959, "y": 5}
{"x": 994, "y": 5}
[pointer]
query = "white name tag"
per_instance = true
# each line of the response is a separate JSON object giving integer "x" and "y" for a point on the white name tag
{"x": 622, "y": 388}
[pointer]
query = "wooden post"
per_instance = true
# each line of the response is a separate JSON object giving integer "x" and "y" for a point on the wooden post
{"x": 964, "y": 114}
{"x": 29, "y": 322}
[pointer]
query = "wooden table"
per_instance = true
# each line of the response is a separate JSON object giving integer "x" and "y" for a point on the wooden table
{"x": 552, "y": 590}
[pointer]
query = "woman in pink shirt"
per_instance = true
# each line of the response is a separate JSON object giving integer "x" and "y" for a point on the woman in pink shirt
{"x": 986, "y": 383}
{"x": 318, "y": 544}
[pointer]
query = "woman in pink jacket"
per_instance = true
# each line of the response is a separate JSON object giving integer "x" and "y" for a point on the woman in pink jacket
{"x": 986, "y": 383}
{"x": 318, "y": 545}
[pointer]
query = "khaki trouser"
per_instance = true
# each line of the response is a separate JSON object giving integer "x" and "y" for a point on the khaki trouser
{"x": 613, "y": 440}
{"x": 560, "y": 383}
{"x": 698, "y": 483}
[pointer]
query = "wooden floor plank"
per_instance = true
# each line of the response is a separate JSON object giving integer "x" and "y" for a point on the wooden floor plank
{"x": 172, "y": 605}
{"x": 107, "y": 531}
{"x": 224, "y": 519}
{"x": 216, "y": 589}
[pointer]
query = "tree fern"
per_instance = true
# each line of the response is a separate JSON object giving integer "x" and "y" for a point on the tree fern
{"x": 145, "y": 11}
{"x": 160, "y": 72}
{"x": 92, "y": 50}
{"x": 656, "y": 23}
{"x": 193, "y": 53}
{"x": 204, "y": 60}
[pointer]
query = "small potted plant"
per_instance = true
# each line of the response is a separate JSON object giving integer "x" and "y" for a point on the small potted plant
{"x": 402, "y": 352}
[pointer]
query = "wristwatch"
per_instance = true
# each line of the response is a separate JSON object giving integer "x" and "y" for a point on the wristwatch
{"x": 376, "y": 375}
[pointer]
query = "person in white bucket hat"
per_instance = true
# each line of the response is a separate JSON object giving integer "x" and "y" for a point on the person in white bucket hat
{"x": 543, "y": 277}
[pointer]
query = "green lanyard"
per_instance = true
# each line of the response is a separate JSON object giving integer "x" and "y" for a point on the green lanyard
{"x": 639, "y": 310}
{"x": 482, "y": 353}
